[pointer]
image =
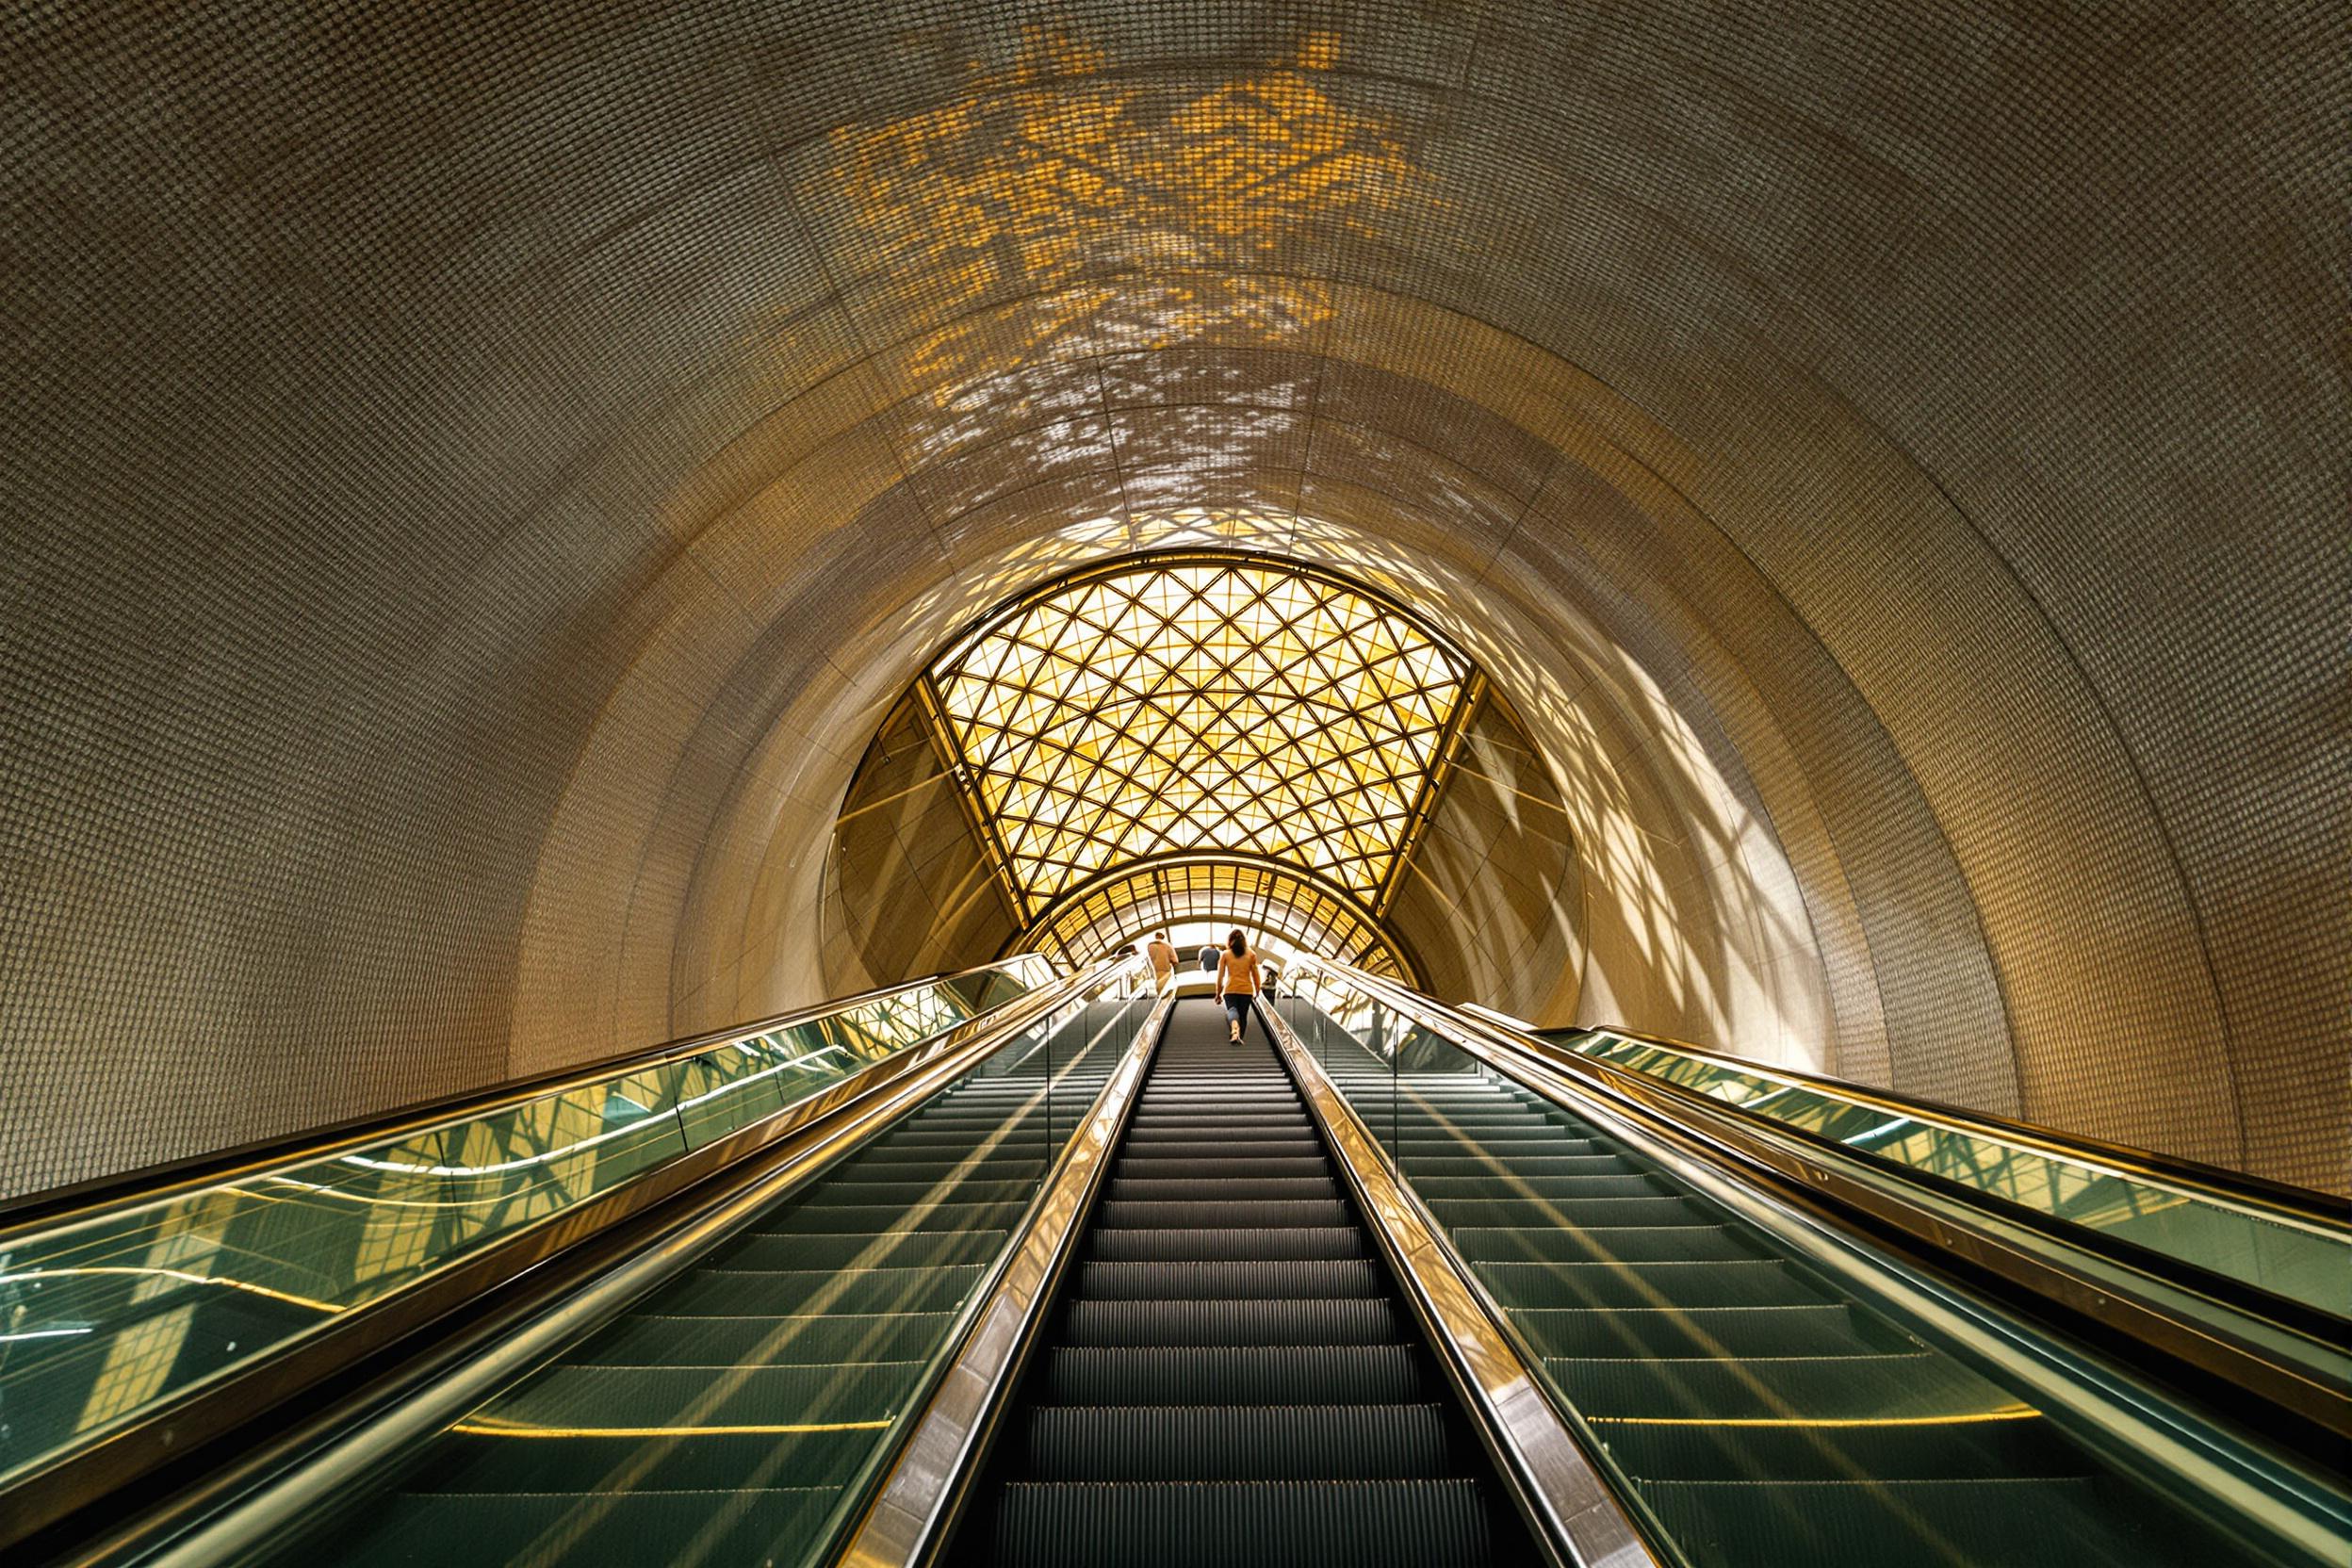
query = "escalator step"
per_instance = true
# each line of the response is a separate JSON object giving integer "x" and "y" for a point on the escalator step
{"x": 848, "y": 1249}
{"x": 1597, "y": 1244}
{"x": 731, "y": 1525}
{"x": 1761, "y": 1283}
{"x": 1304, "y": 1375}
{"x": 743, "y": 1293}
{"x": 1251, "y": 1280}
{"x": 1152, "y": 1167}
{"x": 1215, "y": 1186}
{"x": 1371, "y": 1321}
{"x": 1191, "y": 1244}
{"x": 1234, "y": 1441}
{"x": 764, "y": 1340}
{"x": 1387, "y": 1523}
{"x": 2017, "y": 1523}
{"x": 1245, "y": 1212}
{"x": 1829, "y": 1329}
{"x": 1922, "y": 1386}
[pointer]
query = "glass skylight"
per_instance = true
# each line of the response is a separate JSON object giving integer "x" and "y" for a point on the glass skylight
{"x": 1198, "y": 705}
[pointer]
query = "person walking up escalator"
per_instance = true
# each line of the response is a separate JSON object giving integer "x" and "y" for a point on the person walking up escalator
{"x": 1163, "y": 958}
{"x": 1237, "y": 985}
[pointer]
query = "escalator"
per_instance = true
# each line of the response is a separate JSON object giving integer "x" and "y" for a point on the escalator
{"x": 1232, "y": 1376}
{"x": 1763, "y": 1412}
{"x": 736, "y": 1407}
{"x": 1194, "y": 1302}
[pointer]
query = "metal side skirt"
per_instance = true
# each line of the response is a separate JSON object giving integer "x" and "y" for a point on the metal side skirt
{"x": 1576, "y": 1516}
{"x": 917, "y": 1503}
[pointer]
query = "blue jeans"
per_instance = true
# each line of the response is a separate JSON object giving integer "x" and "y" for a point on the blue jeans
{"x": 1237, "y": 1013}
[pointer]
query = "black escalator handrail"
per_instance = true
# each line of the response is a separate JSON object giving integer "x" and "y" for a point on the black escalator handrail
{"x": 219, "y": 1417}
{"x": 2238, "y": 1189}
{"x": 70, "y": 1204}
{"x": 2284, "y": 1358}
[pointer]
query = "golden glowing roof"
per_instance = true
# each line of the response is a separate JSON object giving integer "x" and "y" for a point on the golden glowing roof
{"x": 1198, "y": 705}
{"x": 1114, "y": 909}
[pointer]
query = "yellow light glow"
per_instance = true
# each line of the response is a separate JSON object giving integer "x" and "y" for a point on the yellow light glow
{"x": 1225, "y": 707}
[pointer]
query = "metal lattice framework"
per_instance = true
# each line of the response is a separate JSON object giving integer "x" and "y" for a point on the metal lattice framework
{"x": 1198, "y": 704}
{"x": 1095, "y": 918}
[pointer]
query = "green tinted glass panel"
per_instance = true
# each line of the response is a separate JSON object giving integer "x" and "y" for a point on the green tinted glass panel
{"x": 103, "y": 1317}
{"x": 1752, "y": 1406}
{"x": 2287, "y": 1254}
{"x": 740, "y": 1411}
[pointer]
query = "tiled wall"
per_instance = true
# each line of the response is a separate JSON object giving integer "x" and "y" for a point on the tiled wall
{"x": 475, "y": 480}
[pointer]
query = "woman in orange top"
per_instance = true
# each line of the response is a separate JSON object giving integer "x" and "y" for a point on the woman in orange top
{"x": 1237, "y": 985}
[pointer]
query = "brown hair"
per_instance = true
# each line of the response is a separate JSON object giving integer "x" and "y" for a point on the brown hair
{"x": 1239, "y": 943}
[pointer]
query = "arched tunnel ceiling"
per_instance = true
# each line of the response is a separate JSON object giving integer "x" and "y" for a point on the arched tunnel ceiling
{"x": 476, "y": 482}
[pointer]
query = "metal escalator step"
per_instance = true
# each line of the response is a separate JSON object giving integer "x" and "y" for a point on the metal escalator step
{"x": 1484, "y": 1244}
{"x": 1823, "y": 1328}
{"x": 1071, "y": 1443}
{"x": 1343, "y": 1321}
{"x": 1659, "y": 1210}
{"x": 2026, "y": 1449}
{"x": 845, "y": 1248}
{"x": 1151, "y": 1166}
{"x": 1191, "y": 1375}
{"x": 1192, "y": 1244}
{"x": 1367, "y": 1523}
{"x": 1236, "y": 1281}
{"x": 1155, "y": 1140}
{"x": 1866, "y": 1523}
{"x": 1247, "y": 1211}
{"x": 738, "y": 1293}
{"x": 734, "y": 1524}
{"x": 1919, "y": 1386}
{"x": 764, "y": 1340}
{"x": 1215, "y": 1186}
{"x": 1760, "y": 1282}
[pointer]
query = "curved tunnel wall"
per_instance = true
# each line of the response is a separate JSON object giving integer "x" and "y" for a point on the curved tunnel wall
{"x": 474, "y": 490}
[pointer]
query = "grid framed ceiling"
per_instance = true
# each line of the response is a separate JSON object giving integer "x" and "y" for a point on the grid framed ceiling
{"x": 1232, "y": 706}
{"x": 1118, "y": 908}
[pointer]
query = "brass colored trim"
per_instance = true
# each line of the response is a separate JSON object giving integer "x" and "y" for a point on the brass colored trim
{"x": 915, "y": 1508}
{"x": 940, "y": 731}
{"x": 1576, "y": 1515}
{"x": 1425, "y": 804}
